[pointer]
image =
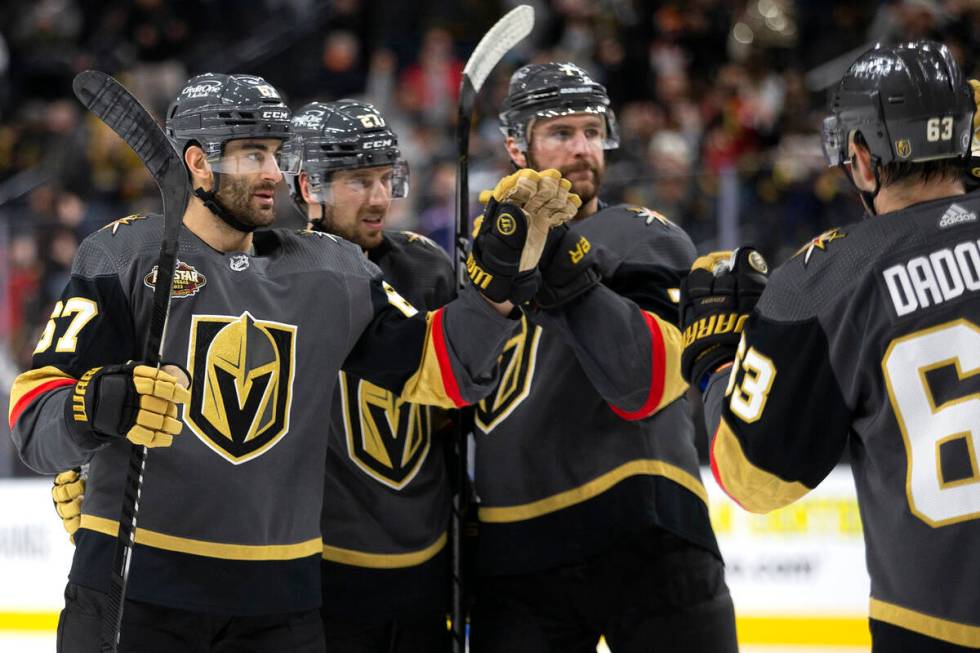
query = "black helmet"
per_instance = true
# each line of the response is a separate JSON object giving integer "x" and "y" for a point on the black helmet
{"x": 909, "y": 102}
{"x": 549, "y": 90}
{"x": 344, "y": 135}
{"x": 214, "y": 108}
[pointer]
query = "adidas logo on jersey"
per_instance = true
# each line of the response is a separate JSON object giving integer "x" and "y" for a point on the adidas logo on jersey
{"x": 956, "y": 214}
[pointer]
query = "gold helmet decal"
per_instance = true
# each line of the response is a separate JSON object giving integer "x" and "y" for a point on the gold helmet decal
{"x": 244, "y": 370}
{"x": 516, "y": 373}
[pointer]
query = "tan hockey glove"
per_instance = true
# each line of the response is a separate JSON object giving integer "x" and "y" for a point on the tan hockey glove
{"x": 546, "y": 200}
{"x": 67, "y": 494}
{"x": 510, "y": 235}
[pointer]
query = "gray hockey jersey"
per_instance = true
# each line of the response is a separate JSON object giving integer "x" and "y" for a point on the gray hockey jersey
{"x": 230, "y": 516}
{"x": 387, "y": 499}
{"x": 588, "y": 436}
{"x": 870, "y": 338}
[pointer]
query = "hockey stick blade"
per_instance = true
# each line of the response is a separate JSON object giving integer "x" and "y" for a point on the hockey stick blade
{"x": 120, "y": 111}
{"x": 116, "y": 107}
{"x": 498, "y": 41}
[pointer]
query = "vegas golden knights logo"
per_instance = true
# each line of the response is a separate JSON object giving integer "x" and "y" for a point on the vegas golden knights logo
{"x": 243, "y": 372}
{"x": 516, "y": 372}
{"x": 386, "y": 437}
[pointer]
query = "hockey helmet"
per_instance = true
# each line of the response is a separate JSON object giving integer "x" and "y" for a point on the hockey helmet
{"x": 346, "y": 135}
{"x": 909, "y": 101}
{"x": 213, "y": 109}
{"x": 550, "y": 90}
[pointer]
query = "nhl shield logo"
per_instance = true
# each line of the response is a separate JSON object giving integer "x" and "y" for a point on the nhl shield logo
{"x": 516, "y": 373}
{"x": 386, "y": 437}
{"x": 243, "y": 372}
{"x": 238, "y": 262}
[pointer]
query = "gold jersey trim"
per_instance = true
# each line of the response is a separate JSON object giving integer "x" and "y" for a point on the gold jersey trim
{"x": 593, "y": 489}
{"x": 943, "y": 629}
{"x": 752, "y": 487}
{"x": 204, "y": 548}
{"x": 383, "y": 560}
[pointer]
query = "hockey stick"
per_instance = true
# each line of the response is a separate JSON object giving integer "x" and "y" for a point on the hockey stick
{"x": 498, "y": 41}
{"x": 113, "y": 104}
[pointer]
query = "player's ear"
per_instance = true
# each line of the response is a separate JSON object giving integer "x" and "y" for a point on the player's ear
{"x": 199, "y": 168}
{"x": 304, "y": 188}
{"x": 516, "y": 155}
{"x": 860, "y": 158}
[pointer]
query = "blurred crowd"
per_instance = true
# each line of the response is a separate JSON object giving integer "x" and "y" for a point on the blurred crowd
{"x": 719, "y": 104}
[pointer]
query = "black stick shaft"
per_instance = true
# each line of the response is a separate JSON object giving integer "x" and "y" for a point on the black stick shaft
{"x": 464, "y": 417}
{"x": 116, "y": 107}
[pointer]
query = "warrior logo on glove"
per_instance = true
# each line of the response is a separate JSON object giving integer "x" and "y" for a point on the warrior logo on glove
{"x": 510, "y": 237}
{"x": 716, "y": 299}
{"x": 131, "y": 401}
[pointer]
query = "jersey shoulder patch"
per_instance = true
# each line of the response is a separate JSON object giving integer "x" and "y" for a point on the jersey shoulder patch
{"x": 412, "y": 237}
{"x": 638, "y": 235}
{"x": 819, "y": 244}
{"x": 115, "y": 225}
{"x": 315, "y": 250}
{"x": 649, "y": 216}
{"x": 114, "y": 246}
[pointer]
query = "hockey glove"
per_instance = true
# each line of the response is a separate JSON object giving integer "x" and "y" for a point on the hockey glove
{"x": 511, "y": 233}
{"x": 134, "y": 401}
{"x": 973, "y": 166}
{"x": 568, "y": 268}
{"x": 716, "y": 299}
{"x": 67, "y": 494}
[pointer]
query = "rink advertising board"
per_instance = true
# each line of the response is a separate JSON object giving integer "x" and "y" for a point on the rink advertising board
{"x": 796, "y": 575}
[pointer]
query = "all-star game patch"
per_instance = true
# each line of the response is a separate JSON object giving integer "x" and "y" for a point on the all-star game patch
{"x": 187, "y": 281}
{"x": 820, "y": 242}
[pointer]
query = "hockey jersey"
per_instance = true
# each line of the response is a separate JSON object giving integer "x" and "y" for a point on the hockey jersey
{"x": 588, "y": 435}
{"x": 386, "y": 499}
{"x": 869, "y": 338}
{"x": 230, "y": 514}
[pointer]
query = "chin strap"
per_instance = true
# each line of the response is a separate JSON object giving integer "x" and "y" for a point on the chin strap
{"x": 210, "y": 199}
{"x": 318, "y": 224}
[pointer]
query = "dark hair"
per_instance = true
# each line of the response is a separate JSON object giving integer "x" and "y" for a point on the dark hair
{"x": 916, "y": 172}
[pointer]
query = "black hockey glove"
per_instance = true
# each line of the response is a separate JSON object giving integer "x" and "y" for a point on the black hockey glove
{"x": 131, "y": 401}
{"x": 568, "y": 268}
{"x": 494, "y": 261}
{"x": 716, "y": 299}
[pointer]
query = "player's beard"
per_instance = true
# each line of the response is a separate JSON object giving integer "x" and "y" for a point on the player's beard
{"x": 586, "y": 190}
{"x": 236, "y": 196}
{"x": 356, "y": 232}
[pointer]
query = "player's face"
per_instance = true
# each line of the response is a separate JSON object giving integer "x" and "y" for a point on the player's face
{"x": 573, "y": 145}
{"x": 358, "y": 203}
{"x": 250, "y": 192}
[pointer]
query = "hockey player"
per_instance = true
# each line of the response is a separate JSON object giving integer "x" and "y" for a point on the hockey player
{"x": 868, "y": 338}
{"x": 387, "y": 497}
{"x": 228, "y": 547}
{"x": 593, "y": 518}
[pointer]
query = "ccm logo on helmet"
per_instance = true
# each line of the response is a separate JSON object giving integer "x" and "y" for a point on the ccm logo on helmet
{"x": 373, "y": 145}
{"x": 276, "y": 115}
